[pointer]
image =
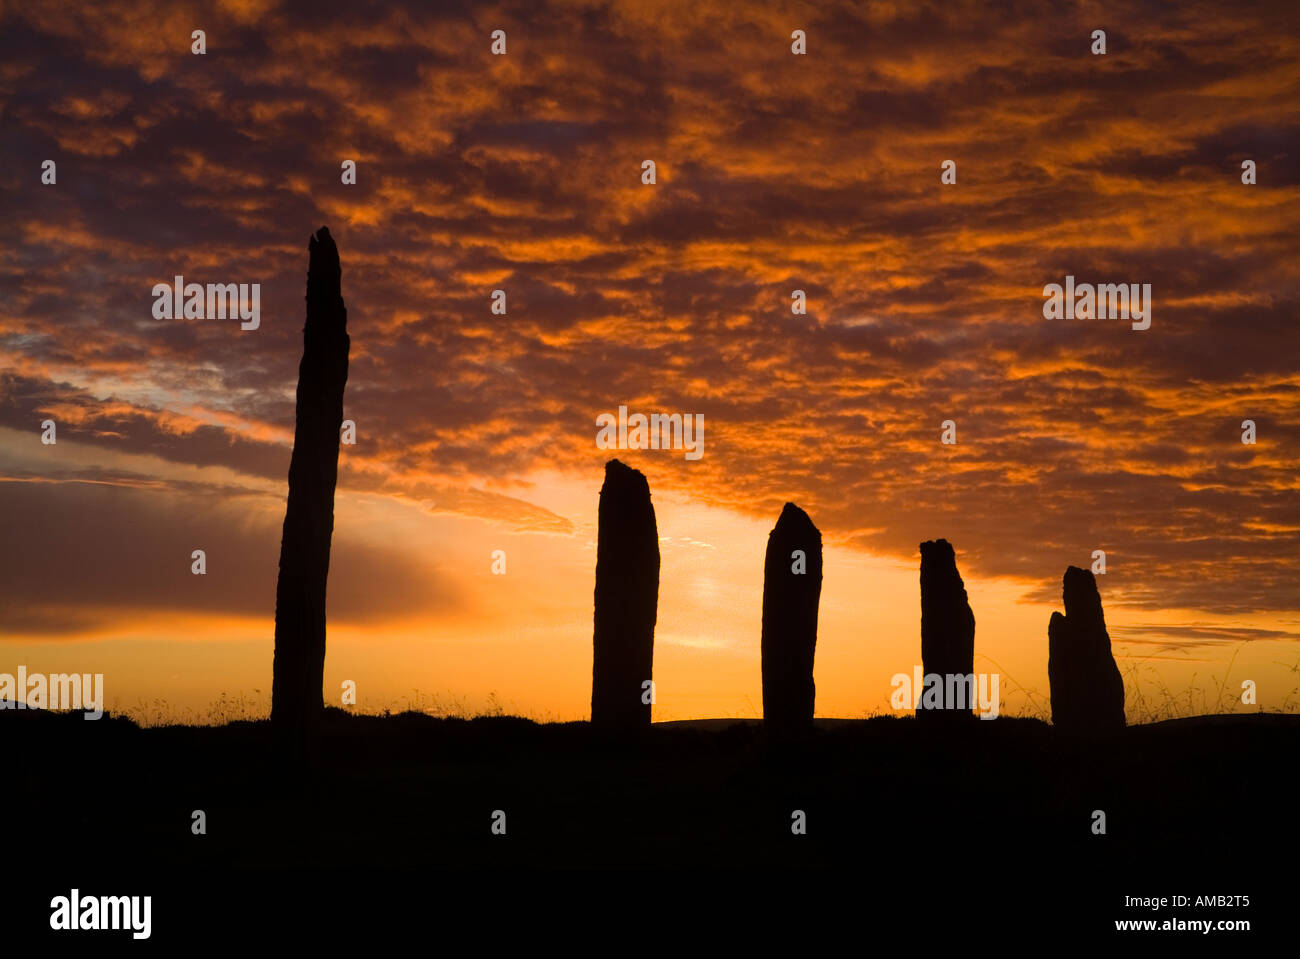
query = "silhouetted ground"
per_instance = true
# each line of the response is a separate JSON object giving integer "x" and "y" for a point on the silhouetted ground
{"x": 901, "y": 820}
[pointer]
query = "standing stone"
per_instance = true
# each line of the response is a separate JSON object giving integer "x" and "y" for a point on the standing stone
{"x": 947, "y": 634}
{"x": 299, "y": 666}
{"x": 1087, "y": 689}
{"x": 627, "y": 599}
{"x": 792, "y": 586}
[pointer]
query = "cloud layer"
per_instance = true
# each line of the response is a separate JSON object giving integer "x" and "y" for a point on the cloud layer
{"x": 775, "y": 173}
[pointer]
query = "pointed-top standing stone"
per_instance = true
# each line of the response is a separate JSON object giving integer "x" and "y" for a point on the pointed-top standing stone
{"x": 792, "y": 586}
{"x": 627, "y": 599}
{"x": 947, "y": 632}
{"x": 1087, "y": 689}
{"x": 299, "y": 664}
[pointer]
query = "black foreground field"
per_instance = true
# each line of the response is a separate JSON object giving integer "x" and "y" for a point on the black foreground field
{"x": 995, "y": 818}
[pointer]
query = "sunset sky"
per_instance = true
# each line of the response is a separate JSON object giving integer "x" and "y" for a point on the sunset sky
{"x": 476, "y": 432}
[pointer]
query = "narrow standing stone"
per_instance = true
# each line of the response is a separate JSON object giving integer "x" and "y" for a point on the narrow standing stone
{"x": 1087, "y": 689}
{"x": 627, "y": 599}
{"x": 947, "y": 634}
{"x": 792, "y": 586}
{"x": 299, "y": 664}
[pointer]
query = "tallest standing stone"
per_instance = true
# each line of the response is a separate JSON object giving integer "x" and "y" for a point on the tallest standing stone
{"x": 299, "y": 666}
{"x": 627, "y": 599}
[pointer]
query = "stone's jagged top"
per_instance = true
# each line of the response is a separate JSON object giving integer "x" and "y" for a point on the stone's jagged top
{"x": 323, "y": 252}
{"x": 1080, "y": 595}
{"x": 938, "y": 550}
{"x": 324, "y": 273}
{"x": 939, "y": 563}
{"x": 620, "y": 476}
{"x": 619, "y": 468}
{"x": 794, "y": 521}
